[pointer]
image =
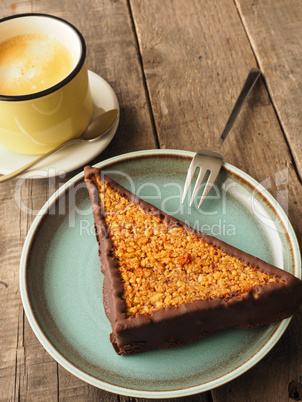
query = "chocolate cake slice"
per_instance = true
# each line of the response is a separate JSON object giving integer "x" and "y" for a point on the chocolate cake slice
{"x": 166, "y": 284}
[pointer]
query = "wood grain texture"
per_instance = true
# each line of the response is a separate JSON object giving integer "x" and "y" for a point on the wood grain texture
{"x": 25, "y": 367}
{"x": 195, "y": 67}
{"x": 274, "y": 28}
{"x": 177, "y": 68}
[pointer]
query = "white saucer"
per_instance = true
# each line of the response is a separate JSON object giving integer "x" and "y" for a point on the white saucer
{"x": 76, "y": 155}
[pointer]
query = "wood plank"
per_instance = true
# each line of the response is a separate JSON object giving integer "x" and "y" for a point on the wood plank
{"x": 113, "y": 53}
{"x": 194, "y": 74}
{"x": 274, "y": 28}
{"x": 24, "y": 363}
{"x": 27, "y": 372}
{"x": 196, "y": 57}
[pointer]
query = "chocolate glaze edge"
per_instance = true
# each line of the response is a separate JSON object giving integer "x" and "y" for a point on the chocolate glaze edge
{"x": 139, "y": 333}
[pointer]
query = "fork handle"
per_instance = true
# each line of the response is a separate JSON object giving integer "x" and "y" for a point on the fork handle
{"x": 251, "y": 80}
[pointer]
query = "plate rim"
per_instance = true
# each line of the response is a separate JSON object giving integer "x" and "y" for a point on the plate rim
{"x": 191, "y": 390}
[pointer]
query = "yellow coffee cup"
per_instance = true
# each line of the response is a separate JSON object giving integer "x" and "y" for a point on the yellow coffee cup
{"x": 44, "y": 90}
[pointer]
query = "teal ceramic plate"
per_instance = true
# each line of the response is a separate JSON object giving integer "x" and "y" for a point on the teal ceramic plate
{"x": 61, "y": 282}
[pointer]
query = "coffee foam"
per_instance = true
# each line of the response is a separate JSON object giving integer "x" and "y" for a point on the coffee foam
{"x": 31, "y": 63}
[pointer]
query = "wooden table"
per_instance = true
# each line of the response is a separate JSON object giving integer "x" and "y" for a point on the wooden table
{"x": 176, "y": 67}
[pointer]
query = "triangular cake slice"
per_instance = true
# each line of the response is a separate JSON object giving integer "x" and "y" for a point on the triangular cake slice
{"x": 166, "y": 284}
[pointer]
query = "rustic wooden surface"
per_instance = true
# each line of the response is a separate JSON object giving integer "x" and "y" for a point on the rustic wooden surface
{"x": 274, "y": 30}
{"x": 176, "y": 67}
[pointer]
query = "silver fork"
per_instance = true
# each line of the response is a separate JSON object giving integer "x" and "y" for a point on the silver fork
{"x": 210, "y": 160}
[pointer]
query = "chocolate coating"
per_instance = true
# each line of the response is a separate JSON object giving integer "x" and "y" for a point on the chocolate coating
{"x": 169, "y": 327}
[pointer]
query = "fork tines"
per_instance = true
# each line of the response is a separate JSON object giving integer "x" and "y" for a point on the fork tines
{"x": 209, "y": 161}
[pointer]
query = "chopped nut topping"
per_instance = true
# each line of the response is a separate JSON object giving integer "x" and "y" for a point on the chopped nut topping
{"x": 162, "y": 266}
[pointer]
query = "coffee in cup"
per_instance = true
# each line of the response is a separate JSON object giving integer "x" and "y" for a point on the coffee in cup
{"x": 44, "y": 90}
{"x": 32, "y": 62}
